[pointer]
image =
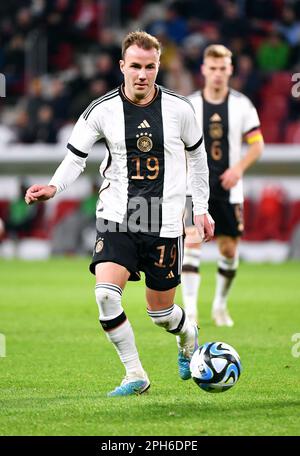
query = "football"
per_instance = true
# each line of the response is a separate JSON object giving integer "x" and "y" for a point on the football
{"x": 215, "y": 367}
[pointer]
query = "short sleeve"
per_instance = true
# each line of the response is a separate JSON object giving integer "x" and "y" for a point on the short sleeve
{"x": 191, "y": 131}
{"x": 250, "y": 117}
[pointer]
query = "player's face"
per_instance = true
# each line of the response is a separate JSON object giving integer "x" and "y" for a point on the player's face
{"x": 217, "y": 72}
{"x": 140, "y": 68}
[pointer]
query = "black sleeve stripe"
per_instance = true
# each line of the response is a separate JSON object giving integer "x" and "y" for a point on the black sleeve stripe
{"x": 252, "y": 129}
{"x": 196, "y": 145}
{"x": 76, "y": 151}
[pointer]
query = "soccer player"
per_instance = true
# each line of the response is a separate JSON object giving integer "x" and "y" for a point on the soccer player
{"x": 227, "y": 117}
{"x": 150, "y": 133}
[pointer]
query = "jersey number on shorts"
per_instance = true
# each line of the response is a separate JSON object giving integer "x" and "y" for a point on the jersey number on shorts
{"x": 161, "y": 261}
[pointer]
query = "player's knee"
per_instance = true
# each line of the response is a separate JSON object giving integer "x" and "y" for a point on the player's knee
{"x": 108, "y": 298}
{"x": 191, "y": 260}
{"x": 228, "y": 252}
{"x": 228, "y": 249}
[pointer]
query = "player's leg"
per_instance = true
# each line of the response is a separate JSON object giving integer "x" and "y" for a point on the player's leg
{"x": 227, "y": 267}
{"x": 165, "y": 313}
{"x": 162, "y": 269}
{"x": 190, "y": 276}
{"x": 114, "y": 262}
{"x": 110, "y": 282}
{"x": 229, "y": 228}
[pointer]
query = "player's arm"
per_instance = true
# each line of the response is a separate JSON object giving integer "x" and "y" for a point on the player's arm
{"x": 199, "y": 177}
{"x": 198, "y": 174}
{"x": 67, "y": 172}
{"x": 253, "y": 137}
{"x": 83, "y": 136}
{"x": 255, "y": 148}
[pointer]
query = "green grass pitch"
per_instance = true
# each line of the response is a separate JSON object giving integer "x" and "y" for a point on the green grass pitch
{"x": 59, "y": 364}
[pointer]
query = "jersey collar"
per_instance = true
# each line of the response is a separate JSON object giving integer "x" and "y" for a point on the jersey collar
{"x": 124, "y": 98}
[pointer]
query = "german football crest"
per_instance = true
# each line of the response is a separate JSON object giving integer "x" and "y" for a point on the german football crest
{"x": 144, "y": 143}
{"x": 99, "y": 245}
{"x": 215, "y": 126}
{"x": 215, "y": 130}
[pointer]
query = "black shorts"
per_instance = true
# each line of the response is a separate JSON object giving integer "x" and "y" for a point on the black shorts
{"x": 229, "y": 220}
{"x": 159, "y": 258}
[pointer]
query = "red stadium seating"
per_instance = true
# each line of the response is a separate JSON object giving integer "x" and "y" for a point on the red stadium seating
{"x": 249, "y": 209}
{"x": 281, "y": 83}
{"x": 270, "y": 216}
{"x": 62, "y": 209}
{"x": 4, "y": 206}
{"x": 270, "y": 130}
{"x": 293, "y": 217}
{"x": 275, "y": 108}
{"x": 292, "y": 133}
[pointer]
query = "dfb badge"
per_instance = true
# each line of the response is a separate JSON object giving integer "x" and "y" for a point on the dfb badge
{"x": 99, "y": 245}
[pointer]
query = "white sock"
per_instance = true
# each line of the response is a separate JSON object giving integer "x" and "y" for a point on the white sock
{"x": 117, "y": 328}
{"x": 174, "y": 321}
{"x": 124, "y": 343}
{"x": 227, "y": 268}
{"x": 186, "y": 334}
{"x": 190, "y": 283}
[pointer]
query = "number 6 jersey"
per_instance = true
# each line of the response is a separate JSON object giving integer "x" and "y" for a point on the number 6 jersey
{"x": 225, "y": 125}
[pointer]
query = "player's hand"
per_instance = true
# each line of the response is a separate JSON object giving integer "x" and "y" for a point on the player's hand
{"x": 39, "y": 193}
{"x": 231, "y": 176}
{"x": 206, "y": 226}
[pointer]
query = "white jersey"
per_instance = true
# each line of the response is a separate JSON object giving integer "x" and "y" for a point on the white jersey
{"x": 148, "y": 147}
{"x": 224, "y": 127}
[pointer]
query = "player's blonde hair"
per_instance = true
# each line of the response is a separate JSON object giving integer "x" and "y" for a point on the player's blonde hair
{"x": 142, "y": 39}
{"x": 217, "y": 51}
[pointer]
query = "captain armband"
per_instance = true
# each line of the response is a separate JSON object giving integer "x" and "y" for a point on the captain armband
{"x": 254, "y": 136}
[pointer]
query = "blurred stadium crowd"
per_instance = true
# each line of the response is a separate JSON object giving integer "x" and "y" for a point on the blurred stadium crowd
{"x": 58, "y": 55}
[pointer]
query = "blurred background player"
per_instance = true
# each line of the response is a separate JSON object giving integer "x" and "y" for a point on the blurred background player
{"x": 21, "y": 219}
{"x": 2, "y": 229}
{"x": 80, "y": 226}
{"x": 150, "y": 133}
{"x": 228, "y": 117}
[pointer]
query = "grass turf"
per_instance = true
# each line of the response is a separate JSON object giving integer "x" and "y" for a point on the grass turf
{"x": 59, "y": 364}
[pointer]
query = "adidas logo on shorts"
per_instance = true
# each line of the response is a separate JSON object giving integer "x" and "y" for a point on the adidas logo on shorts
{"x": 170, "y": 275}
